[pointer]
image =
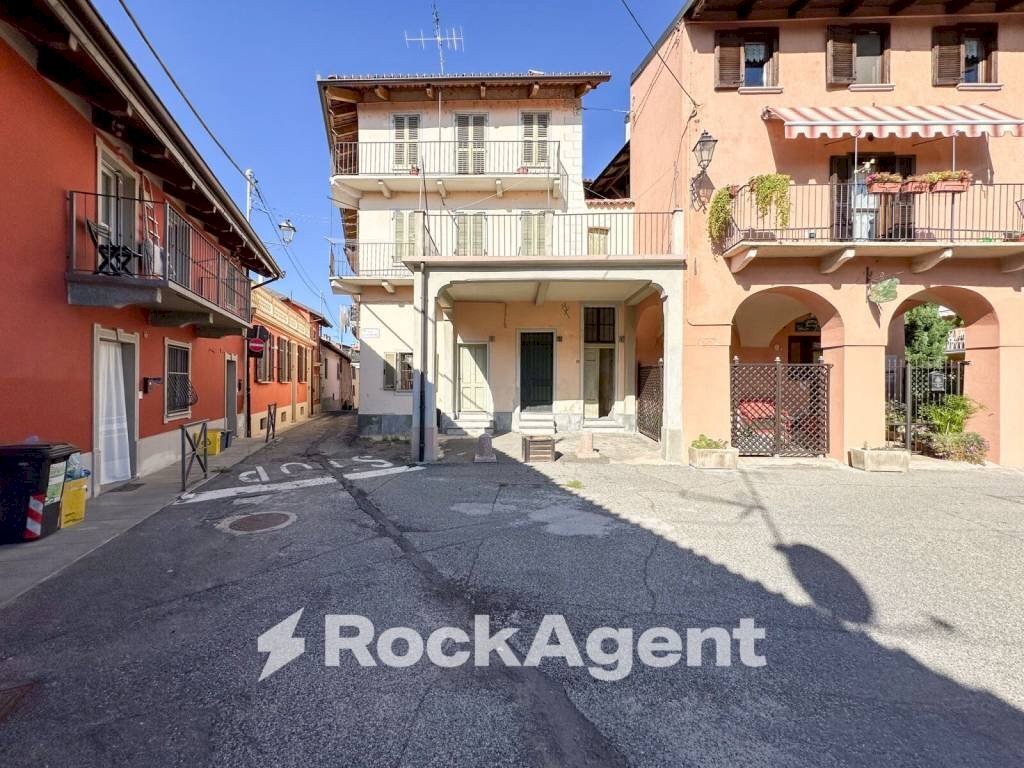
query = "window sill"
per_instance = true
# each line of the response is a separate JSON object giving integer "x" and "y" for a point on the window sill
{"x": 755, "y": 89}
{"x": 177, "y": 416}
{"x": 871, "y": 87}
{"x": 979, "y": 86}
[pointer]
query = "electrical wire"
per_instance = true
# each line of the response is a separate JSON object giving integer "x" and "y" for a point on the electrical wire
{"x": 658, "y": 53}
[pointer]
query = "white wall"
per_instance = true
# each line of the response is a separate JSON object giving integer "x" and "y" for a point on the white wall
{"x": 393, "y": 319}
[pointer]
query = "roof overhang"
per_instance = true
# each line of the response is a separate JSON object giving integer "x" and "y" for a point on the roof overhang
{"x": 901, "y": 122}
{"x": 764, "y": 10}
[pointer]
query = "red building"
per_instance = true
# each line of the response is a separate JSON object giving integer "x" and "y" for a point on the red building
{"x": 124, "y": 262}
{"x": 286, "y": 377}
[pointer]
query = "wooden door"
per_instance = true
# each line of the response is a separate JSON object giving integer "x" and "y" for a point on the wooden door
{"x": 474, "y": 391}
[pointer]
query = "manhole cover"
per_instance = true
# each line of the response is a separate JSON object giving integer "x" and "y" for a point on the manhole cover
{"x": 258, "y": 522}
{"x": 10, "y": 698}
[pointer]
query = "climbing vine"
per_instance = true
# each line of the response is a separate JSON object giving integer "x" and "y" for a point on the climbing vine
{"x": 719, "y": 214}
{"x": 772, "y": 190}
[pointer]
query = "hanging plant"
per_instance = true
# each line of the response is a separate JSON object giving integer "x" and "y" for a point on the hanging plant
{"x": 772, "y": 190}
{"x": 720, "y": 213}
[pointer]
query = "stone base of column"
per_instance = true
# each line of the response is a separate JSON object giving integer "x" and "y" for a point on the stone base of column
{"x": 672, "y": 448}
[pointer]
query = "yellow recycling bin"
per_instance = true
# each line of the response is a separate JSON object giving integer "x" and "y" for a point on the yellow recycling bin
{"x": 212, "y": 441}
{"x": 72, "y": 503}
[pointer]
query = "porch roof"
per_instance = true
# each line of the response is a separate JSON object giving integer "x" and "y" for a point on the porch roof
{"x": 882, "y": 121}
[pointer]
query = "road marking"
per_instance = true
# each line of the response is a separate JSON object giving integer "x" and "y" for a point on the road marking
{"x": 373, "y": 461}
{"x": 379, "y": 473}
{"x": 258, "y": 475}
{"x": 285, "y": 470}
{"x": 227, "y": 493}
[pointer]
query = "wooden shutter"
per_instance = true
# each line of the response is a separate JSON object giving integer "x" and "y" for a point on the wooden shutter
{"x": 407, "y": 136}
{"x": 535, "y": 138}
{"x": 728, "y": 60}
{"x": 389, "y": 370}
{"x": 470, "y": 147}
{"x": 534, "y": 233}
{"x": 478, "y": 234}
{"x": 462, "y": 149}
{"x": 947, "y": 56}
{"x": 840, "y": 56}
{"x": 462, "y": 234}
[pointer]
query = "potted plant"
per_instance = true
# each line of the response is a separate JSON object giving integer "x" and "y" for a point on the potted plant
{"x": 950, "y": 181}
{"x": 884, "y": 459}
{"x": 771, "y": 190}
{"x": 720, "y": 213}
{"x": 414, "y": 170}
{"x": 708, "y": 453}
{"x": 884, "y": 183}
{"x": 915, "y": 185}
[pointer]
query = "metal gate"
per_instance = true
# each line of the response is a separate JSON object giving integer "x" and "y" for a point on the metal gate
{"x": 908, "y": 388}
{"x": 780, "y": 409}
{"x": 649, "y": 399}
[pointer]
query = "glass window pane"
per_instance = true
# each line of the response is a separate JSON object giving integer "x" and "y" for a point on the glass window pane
{"x": 974, "y": 55}
{"x": 869, "y": 57}
{"x": 755, "y": 64}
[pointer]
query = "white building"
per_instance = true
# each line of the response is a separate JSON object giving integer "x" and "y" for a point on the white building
{"x": 488, "y": 289}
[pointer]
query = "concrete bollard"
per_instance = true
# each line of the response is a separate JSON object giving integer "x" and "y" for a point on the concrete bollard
{"x": 586, "y": 449}
{"x": 484, "y": 450}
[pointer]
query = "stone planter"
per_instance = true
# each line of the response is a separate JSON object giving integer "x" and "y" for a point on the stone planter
{"x": 875, "y": 460}
{"x": 914, "y": 187}
{"x": 950, "y": 185}
{"x": 884, "y": 187}
{"x": 714, "y": 458}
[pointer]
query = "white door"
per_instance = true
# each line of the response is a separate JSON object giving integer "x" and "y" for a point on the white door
{"x": 474, "y": 392}
{"x": 115, "y": 462}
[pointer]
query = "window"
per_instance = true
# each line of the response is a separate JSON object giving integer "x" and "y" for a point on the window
{"x": 284, "y": 359}
{"x": 397, "y": 371}
{"x": 858, "y": 54}
{"x": 407, "y": 234}
{"x": 115, "y": 207}
{"x": 599, "y": 325}
{"x": 265, "y": 364}
{"x": 179, "y": 393}
{"x": 597, "y": 241}
{"x": 534, "y": 234}
{"x": 746, "y": 58}
{"x": 535, "y": 138}
{"x": 470, "y": 234}
{"x": 470, "y": 150}
{"x": 301, "y": 368}
{"x": 407, "y": 140}
{"x": 964, "y": 54}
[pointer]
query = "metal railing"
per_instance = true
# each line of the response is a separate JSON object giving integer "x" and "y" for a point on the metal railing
{"x": 373, "y": 260}
{"x": 956, "y": 341}
{"x": 447, "y": 158}
{"x": 549, "y": 233}
{"x": 982, "y": 213}
{"x": 130, "y": 237}
{"x": 194, "y": 449}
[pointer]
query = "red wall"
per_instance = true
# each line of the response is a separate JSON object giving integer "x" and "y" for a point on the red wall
{"x": 47, "y": 148}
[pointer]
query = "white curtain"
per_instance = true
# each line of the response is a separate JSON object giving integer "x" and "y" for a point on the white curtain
{"x": 115, "y": 454}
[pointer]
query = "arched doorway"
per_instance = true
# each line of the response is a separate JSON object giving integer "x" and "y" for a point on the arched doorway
{"x": 785, "y": 399}
{"x": 649, "y": 323}
{"x": 970, "y": 365}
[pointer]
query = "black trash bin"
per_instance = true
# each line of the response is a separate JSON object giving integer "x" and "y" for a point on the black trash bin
{"x": 31, "y": 484}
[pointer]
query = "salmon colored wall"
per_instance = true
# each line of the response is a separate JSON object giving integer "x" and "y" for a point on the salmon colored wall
{"x": 665, "y": 126}
{"x": 47, "y": 147}
{"x": 650, "y": 335}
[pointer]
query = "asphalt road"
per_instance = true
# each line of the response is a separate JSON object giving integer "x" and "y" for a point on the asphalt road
{"x": 892, "y": 610}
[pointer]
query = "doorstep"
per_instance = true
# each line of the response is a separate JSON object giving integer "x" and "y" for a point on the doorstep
{"x": 24, "y": 565}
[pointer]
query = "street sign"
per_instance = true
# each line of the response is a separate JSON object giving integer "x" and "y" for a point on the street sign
{"x": 256, "y": 347}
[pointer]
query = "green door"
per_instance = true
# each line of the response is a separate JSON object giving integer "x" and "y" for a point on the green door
{"x": 536, "y": 370}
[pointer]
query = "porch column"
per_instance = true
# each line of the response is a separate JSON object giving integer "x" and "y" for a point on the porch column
{"x": 629, "y": 367}
{"x": 424, "y": 366}
{"x": 856, "y": 397}
{"x": 1010, "y": 451}
{"x": 446, "y": 363}
{"x": 672, "y": 355}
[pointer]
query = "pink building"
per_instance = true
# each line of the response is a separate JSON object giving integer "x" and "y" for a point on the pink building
{"x": 855, "y": 103}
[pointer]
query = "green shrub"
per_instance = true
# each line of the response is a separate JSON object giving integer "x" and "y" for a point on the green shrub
{"x": 709, "y": 442}
{"x": 949, "y": 416}
{"x": 958, "y": 446}
{"x": 772, "y": 189}
{"x": 720, "y": 214}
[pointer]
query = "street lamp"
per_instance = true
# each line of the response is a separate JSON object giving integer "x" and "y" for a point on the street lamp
{"x": 704, "y": 150}
{"x": 287, "y": 231}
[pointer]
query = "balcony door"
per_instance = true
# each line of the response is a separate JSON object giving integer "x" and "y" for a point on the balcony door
{"x": 470, "y": 150}
{"x": 860, "y": 215}
{"x": 116, "y": 208}
{"x": 536, "y": 370}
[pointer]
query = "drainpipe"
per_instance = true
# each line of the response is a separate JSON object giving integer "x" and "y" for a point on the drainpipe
{"x": 423, "y": 363}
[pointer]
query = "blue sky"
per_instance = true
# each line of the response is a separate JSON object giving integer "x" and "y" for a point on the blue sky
{"x": 251, "y": 67}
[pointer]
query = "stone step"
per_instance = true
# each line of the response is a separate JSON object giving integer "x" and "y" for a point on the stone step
{"x": 602, "y": 425}
{"x": 479, "y": 416}
{"x": 472, "y": 424}
{"x": 469, "y": 431}
{"x": 531, "y": 430}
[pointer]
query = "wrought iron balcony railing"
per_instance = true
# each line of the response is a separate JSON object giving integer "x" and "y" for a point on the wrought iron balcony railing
{"x": 132, "y": 239}
{"x": 376, "y": 260}
{"x": 447, "y": 158}
{"x": 981, "y": 213}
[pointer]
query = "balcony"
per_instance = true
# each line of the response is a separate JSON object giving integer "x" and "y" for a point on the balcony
{"x": 537, "y": 237}
{"x": 132, "y": 252}
{"x": 448, "y": 166}
{"x": 836, "y": 221}
{"x": 956, "y": 341}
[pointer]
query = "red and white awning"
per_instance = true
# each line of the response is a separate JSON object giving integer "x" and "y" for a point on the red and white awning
{"x": 902, "y": 122}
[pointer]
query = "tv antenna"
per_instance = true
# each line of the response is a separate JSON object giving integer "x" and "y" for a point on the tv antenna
{"x": 451, "y": 39}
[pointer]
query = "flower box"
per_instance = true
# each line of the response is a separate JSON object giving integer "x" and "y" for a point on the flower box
{"x": 914, "y": 187}
{"x": 880, "y": 460}
{"x": 714, "y": 458}
{"x": 951, "y": 185}
{"x": 884, "y": 187}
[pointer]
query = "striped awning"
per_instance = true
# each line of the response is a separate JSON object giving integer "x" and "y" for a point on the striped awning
{"x": 879, "y": 121}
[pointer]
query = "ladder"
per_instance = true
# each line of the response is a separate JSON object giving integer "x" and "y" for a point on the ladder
{"x": 153, "y": 258}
